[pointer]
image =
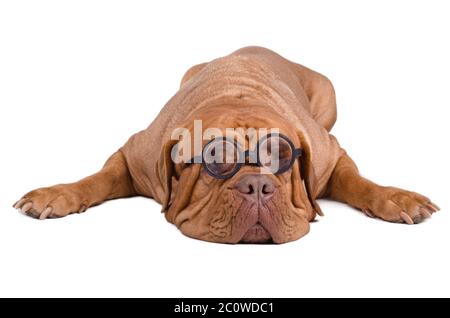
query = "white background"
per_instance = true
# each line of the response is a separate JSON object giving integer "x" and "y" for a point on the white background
{"x": 78, "y": 78}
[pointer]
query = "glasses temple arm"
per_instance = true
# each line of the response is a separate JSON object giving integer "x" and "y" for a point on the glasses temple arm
{"x": 298, "y": 152}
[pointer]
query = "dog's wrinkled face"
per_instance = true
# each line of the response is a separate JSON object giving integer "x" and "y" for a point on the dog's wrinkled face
{"x": 249, "y": 207}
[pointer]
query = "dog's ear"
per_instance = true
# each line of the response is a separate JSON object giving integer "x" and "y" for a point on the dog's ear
{"x": 183, "y": 189}
{"x": 165, "y": 171}
{"x": 183, "y": 184}
{"x": 308, "y": 173}
{"x": 300, "y": 197}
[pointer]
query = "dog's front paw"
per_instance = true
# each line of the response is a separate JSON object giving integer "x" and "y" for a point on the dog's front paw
{"x": 397, "y": 205}
{"x": 56, "y": 201}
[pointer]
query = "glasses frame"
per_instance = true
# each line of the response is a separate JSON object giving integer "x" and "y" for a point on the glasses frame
{"x": 243, "y": 155}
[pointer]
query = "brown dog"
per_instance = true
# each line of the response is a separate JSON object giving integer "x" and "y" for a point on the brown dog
{"x": 251, "y": 88}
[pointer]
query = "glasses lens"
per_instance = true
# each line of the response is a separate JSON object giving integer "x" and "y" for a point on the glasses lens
{"x": 221, "y": 158}
{"x": 275, "y": 154}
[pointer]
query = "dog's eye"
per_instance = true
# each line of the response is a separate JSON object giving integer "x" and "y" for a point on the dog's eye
{"x": 275, "y": 154}
{"x": 220, "y": 151}
{"x": 221, "y": 158}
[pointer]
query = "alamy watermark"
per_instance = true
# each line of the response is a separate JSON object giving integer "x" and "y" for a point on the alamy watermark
{"x": 223, "y": 150}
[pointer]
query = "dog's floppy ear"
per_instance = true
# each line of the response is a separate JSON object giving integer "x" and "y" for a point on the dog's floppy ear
{"x": 307, "y": 172}
{"x": 183, "y": 189}
{"x": 183, "y": 184}
{"x": 300, "y": 197}
{"x": 165, "y": 171}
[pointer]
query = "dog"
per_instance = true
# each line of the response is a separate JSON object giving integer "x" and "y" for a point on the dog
{"x": 241, "y": 199}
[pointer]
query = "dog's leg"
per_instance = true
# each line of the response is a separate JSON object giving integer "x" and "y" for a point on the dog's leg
{"x": 320, "y": 93}
{"x": 113, "y": 181}
{"x": 388, "y": 203}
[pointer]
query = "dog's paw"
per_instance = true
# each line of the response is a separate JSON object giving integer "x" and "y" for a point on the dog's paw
{"x": 53, "y": 202}
{"x": 397, "y": 205}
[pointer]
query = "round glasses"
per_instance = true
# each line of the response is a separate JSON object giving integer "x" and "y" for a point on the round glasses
{"x": 222, "y": 158}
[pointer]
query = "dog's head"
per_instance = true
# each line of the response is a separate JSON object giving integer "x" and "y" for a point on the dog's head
{"x": 238, "y": 199}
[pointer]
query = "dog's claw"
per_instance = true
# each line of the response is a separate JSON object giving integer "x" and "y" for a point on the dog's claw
{"x": 433, "y": 207}
{"x": 406, "y": 218}
{"x": 368, "y": 213}
{"x": 425, "y": 213}
{"x": 19, "y": 203}
{"x": 26, "y": 207}
{"x": 46, "y": 213}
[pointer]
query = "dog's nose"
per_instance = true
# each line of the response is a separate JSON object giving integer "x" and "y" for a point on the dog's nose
{"x": 256, "y": 186}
